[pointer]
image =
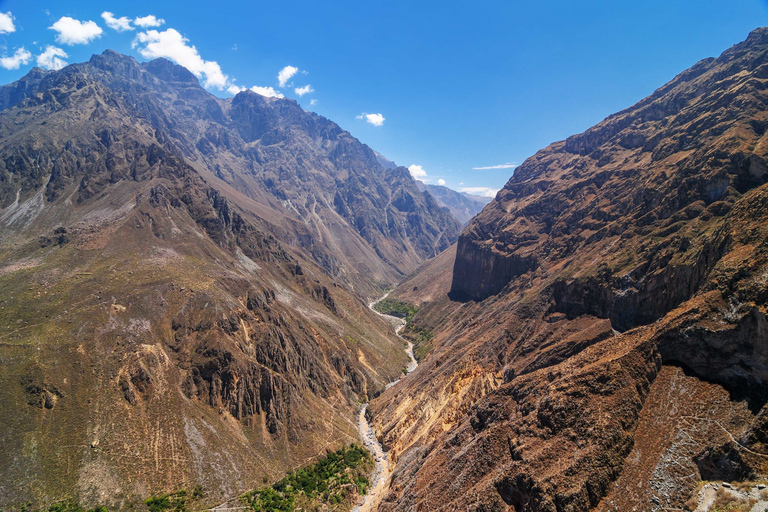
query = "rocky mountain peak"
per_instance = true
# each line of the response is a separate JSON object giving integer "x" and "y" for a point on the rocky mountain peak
{"x": 171, "y": 72}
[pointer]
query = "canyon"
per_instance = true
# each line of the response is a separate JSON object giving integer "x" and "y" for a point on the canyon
{"x": 187, "y": 284}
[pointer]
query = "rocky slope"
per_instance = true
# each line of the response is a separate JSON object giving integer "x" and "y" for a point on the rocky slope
{"x": 604, "y": 345}
{"x": 183, "y": 283}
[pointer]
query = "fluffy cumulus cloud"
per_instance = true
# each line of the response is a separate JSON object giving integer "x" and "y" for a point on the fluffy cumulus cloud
{"x": 170, "y": 44}
{"x": 234, "y": 89}
{"x": 72, "y": 31}
{"x": 480, "y": 191}
{"x": 269, "y": 92}
{"x": 417, "y": 172}
{"x": 120, "y": 24}
{"x": 6, "y": 23}
{"x": 52, "y": 58}
{"x": 285, "y": 74}
{"x": 508, "y": 165}
{"x": 441, "y": 182}
{"x": 374, "y": 119}
{"x": 148, "y": 21}
{"x": 301, "y": 91}
{"x": 22, "y": 56}
{"x": 313, "y": 102}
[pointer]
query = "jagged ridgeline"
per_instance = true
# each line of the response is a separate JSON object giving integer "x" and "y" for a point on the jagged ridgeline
{"x": 601, "y": 339}
{"x": 183, "y": 284}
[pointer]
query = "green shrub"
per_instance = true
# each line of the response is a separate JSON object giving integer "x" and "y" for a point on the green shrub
{"x": 320, "y": 483}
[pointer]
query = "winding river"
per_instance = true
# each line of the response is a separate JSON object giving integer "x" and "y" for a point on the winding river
{"x": 383, "y": 472}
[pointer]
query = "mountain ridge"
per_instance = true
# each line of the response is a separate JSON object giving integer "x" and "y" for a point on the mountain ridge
{"x": 616, "y": 271}
{"x": 184, "y": 283}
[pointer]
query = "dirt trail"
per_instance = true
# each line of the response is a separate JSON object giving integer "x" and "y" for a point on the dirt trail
{"x": 383, "y": 472}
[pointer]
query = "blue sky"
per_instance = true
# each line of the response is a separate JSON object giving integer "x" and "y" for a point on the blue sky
{"x": 463, "y": 90}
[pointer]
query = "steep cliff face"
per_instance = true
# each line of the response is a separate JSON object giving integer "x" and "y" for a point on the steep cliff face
{"x": 162, "y": 326}
{"x": 617, "y": 256}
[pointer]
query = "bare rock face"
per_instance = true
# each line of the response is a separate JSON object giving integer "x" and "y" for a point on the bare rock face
{"x": 183, "y": 283}
{"x": 615, "y": 272}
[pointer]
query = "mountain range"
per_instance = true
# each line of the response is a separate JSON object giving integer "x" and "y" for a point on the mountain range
{"x": 184, "y": 283}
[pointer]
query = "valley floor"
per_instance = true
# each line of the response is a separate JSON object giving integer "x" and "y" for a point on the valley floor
{"x": 383, "y": 472}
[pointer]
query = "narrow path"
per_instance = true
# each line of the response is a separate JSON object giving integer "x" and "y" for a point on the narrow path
{"x": 383, "y": 471}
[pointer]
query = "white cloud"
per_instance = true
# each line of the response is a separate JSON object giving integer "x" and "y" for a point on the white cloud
{"x": 508, "y": 165}
{"x": 72, "y": 31}
{"x": 480, "y": 191}
{"x": 441, "y": 182}
{"x": 21, "y": 56}
{"x": 120, "y": 24}
{"x": 374, "y": 119}
{"x": 301, "y": 91}
{"x": 269, "y": 92}
{"x": 148, "y": 21}
{"x": 313, "y": 102}
{"x": 6, "y": 23}
{"x": 172, "y": 45}
{"x": 417, "y": 172}
{"x": 52, "y": 58}
{"x": 285, "y": 74}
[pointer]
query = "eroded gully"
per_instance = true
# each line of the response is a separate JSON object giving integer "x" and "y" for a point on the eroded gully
{"x": 383, "y": 472}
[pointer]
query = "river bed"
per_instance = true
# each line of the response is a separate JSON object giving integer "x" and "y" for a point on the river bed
{"x": 383, "y": 471}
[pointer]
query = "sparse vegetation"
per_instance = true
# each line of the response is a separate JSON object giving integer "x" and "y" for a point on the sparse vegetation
{"x": 727, "y": 501}
{"x": 331, "y": 482}
{"x": 176, "y": 501}
{"x": 419, "y": 336}
{"x": 64, "y": 506}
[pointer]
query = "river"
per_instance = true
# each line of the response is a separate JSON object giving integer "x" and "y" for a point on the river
{"x": 383, "y": 471}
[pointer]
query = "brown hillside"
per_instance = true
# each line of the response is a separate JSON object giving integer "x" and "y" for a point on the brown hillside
{"x": 612, "y": 297}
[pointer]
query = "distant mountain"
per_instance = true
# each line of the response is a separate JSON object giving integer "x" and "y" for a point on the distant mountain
{"x": 184, "y": 283}
{"x": 462, "y": 206}
{"x": 600, "y": 339}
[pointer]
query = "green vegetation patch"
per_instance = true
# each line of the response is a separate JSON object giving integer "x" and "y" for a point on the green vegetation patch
{"x": 419, "y": 336}
{"x": 396, "y": 308}
{"x": 177, "y": 501}
{"x": 71, "y": 506}
{"x": 331, "y": 483}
